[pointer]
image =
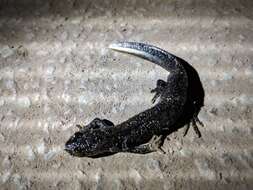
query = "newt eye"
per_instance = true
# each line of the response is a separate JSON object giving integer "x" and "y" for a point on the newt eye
{"x": 107, "y": 123}
{"x": 78, "y": 135}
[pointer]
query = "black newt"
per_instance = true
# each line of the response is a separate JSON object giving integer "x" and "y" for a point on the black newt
{"x": 141, "y": 133}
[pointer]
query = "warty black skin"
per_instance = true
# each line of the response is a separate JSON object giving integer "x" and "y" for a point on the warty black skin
{"x": 102, "y": 137}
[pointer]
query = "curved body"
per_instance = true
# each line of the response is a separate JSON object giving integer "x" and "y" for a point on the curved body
{"x": 102, "y": 137}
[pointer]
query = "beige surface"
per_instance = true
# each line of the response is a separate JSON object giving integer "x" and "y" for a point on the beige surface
{"x": 60, "y": 73}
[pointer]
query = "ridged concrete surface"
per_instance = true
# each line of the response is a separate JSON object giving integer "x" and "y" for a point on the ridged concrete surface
{"x": 56, "y": 71}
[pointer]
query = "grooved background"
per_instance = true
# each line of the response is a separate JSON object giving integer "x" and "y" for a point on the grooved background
{"x": 56, "y": 71}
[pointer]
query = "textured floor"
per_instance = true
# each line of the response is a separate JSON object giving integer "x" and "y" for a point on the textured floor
{"x": 56, "y": 71}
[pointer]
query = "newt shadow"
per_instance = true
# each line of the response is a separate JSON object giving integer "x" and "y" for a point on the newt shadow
{"x": 194, "y": 102}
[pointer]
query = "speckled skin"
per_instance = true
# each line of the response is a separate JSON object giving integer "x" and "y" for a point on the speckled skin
{"x": 102, "y": 137}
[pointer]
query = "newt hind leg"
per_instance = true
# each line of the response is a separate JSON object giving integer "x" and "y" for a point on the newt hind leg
{"x": 160, "y": 86}
{"x": 195, "y": 122}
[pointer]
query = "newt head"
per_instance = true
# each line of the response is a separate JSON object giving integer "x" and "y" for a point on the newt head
{"x": 87, "y": 143}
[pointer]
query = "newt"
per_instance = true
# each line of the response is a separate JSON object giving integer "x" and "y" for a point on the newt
{"x": 143, "y": 132}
